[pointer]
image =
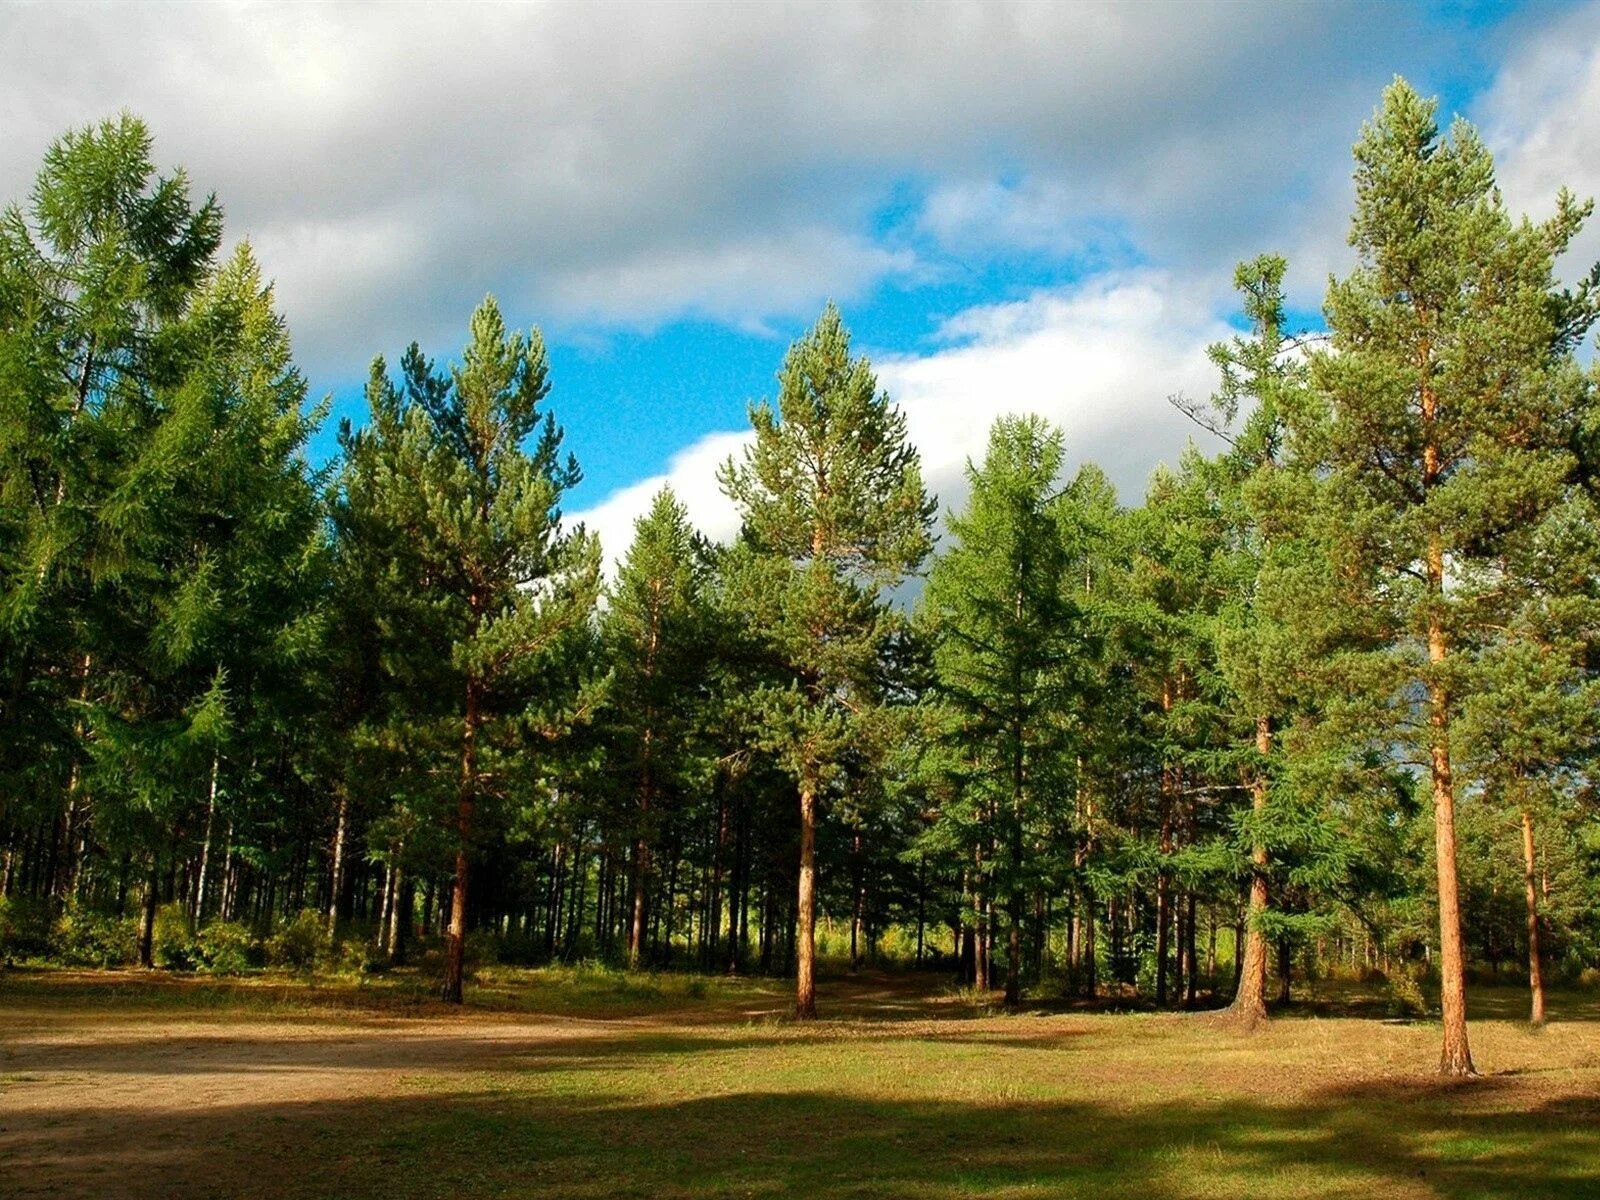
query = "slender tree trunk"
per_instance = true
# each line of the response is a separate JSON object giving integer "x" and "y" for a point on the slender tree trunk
{"x": 1190, "y": 971}
{"x": 456, "y": 941}
{"x": 1250, "y": 999}
{"x": 336, "y": 870}
{"x": 1163, "y": 876}
{"x": 1531, "y": 892}
{"x": 641, "y": 878}
{"x": 1455, "y": 1056}
{"x": 147, "y": 921}
{"x": 399, "y": 911}
{"x": 805, "y": 984}
{"x": 858, "y": 899}
{"x": 205, "y": 846}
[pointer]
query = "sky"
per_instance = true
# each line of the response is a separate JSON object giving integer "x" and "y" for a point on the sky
{"x": 1018, "y": 207}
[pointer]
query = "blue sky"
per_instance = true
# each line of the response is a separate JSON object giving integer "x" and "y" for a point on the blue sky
{"x": 1016, "y": 205}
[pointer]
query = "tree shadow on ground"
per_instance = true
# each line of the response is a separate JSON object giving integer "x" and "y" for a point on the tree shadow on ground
{"x": 1413, "y": 1139}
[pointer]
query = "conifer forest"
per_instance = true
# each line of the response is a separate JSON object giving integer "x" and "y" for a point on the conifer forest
{"x": 1318, "y": 709}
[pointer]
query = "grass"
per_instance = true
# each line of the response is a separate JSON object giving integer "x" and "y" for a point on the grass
{"x": 665, "y": 1086}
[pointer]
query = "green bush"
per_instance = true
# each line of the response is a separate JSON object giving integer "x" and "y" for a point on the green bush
{"x": 226, "y": 948}
{"x": 1403, "y": 996}
{"x": 25, "y": 927}
{"x": 301, "y": 942}
{"x": 84, "y": 938}
{"x": 172, "y": 945}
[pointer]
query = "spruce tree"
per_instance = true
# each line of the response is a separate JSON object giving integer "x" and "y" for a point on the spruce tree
{"x": 655, "y": 632}
{"x": 1003, "y": 628}
{"x": 832, "y": 500}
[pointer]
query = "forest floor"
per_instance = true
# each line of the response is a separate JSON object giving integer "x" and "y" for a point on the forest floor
{"x": 596, "y": 1084}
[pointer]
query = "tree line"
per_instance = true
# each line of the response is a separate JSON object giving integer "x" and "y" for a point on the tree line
{"x": 1323, "y": 701}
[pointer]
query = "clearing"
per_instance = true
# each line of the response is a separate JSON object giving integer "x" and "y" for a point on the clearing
{"x": 564, "y": 1083}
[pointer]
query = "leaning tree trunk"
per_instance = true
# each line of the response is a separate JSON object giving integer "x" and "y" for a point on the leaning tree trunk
{"x": 805, "y": 982}
{"x": 1250, "y": 1000}
{"x": 456, "y": 941}
{"x": 1531, "y": 892}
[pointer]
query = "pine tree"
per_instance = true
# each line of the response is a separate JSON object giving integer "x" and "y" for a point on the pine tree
{"x": 832, "y": 499}
{"x": 491, "y": 586}
{"x": 1439, "y": 419}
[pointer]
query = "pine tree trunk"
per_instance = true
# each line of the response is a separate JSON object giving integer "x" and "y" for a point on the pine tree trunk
{"x": 147, "y": 921}
{"x": 641, "y": 876}
{"x": 1531, "y": 892}
{"x": 1455, "y": 1056}
{"x": 805, "y": 989}
{"x": 1250, "y": 999}
{"x": 336, "y": 871}
{"x": 456, "y": 941}
{"x": 1163, "y": 878}
{"x": 205, "y": 846}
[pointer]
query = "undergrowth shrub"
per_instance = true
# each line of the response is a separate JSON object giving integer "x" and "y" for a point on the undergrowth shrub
{"x": 24, "y": 927}
{"x": 1403, "y": 997}
{"x": 85, "y": 938}
{"x": 226, "y": 948}
{"x": 172, "y": 945}
{"x": 300, "y": 942}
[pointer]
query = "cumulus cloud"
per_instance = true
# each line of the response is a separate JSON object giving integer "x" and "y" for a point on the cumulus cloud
{"x": 1100, "y": 359}
{"x": 1542, "y": 119}
{"x": 692, "y": 474}
{"x": 625, "y": 164}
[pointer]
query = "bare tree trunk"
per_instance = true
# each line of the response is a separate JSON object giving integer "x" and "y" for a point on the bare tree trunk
{"x": 456, "y": 940}
{"x": 397, "y": 894}
{"x": 336, "y": 872}
{"x": 1531, "y": 891}
{"x": 205, "y": 846}
{"x": 1455, "y": 1056}
{"x": 1250, "y": 998}
{"x": 1163, "y": 877}
{"x": 805, "y": 984}
{"x": 147, "y": 921}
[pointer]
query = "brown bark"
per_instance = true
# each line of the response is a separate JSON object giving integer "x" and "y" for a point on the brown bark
{"x": 147, "y": 922}
{"x": 1250, "y": 1000}
{"x": 641, "y": 878}
{"x": 1531, "y": 892}
{"x": 1455, "y": 1056}
{"x": 455, "y": 942}
{"x": 805, "y": 984}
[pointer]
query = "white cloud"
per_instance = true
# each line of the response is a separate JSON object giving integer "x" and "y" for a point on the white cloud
{"x": 692, "y": 474}
{"x": 626, "y": 163}
{"x": 1542, "y": 119}
{"x": 1099, "y": 359}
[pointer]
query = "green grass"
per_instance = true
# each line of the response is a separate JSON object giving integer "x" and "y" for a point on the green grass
{"x": 681, "y": 1088}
